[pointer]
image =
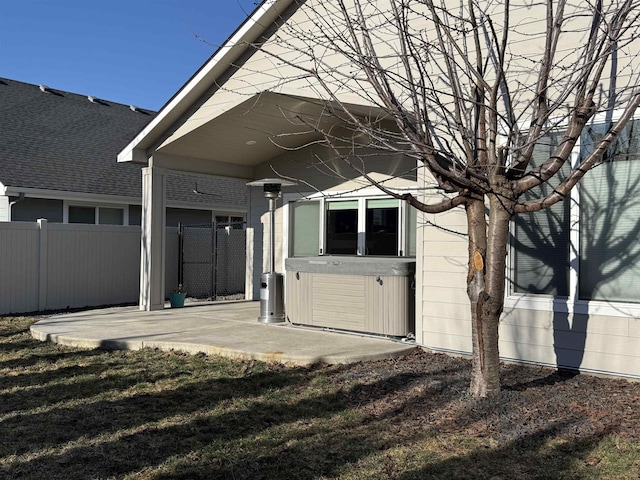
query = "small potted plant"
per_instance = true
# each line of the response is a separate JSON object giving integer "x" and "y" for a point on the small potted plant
{"x": 177, "y": 296}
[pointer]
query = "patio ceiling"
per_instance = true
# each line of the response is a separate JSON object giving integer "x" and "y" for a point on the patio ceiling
{"x": 259, "y": 129}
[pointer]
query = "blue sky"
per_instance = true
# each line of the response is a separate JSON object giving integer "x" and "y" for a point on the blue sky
{"x": 136, "y": 52}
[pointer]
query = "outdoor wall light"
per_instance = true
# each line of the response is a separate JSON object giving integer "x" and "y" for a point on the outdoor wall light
{"x": 271, "y": 283}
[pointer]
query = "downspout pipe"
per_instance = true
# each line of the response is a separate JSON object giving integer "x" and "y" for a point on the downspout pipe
{"x": 13, "y": 202}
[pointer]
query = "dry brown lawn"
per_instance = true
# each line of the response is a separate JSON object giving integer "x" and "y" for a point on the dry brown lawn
{"x": 68, "y": 413}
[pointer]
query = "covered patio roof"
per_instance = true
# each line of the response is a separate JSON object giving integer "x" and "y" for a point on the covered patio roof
{"x": 249, "y": 134}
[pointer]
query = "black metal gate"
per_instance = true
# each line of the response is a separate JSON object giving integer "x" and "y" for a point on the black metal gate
{"x": 212, "y": 260}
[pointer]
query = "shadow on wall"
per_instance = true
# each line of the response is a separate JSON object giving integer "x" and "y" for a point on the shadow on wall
{"x": 608, "y": 259}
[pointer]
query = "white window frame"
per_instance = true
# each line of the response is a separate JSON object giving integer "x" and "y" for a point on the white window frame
{"x": 572, "y": 303}
{"x": 361, "y": 196}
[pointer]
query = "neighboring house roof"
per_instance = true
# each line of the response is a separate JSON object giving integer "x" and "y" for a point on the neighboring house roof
{"x": 58, "y": 141}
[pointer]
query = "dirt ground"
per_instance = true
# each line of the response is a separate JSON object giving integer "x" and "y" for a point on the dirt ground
{"x": 535, "y": 401}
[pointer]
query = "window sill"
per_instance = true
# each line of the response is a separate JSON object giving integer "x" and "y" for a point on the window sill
{"x": 566, "y": 305}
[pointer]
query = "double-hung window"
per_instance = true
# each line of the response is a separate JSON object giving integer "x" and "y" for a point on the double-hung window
{"x": 352, "y": 226}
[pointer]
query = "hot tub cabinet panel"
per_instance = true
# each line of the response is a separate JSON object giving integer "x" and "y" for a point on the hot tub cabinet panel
{"x": 357, "y": 294}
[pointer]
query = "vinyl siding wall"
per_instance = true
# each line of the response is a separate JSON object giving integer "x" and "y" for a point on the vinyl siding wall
{"x": 443, "y": 316}
{"x": 595, "y": 343}
{"x": 31, "y": 209}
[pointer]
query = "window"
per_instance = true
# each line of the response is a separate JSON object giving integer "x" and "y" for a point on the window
{"x": 82, "y": 215}
{"x": 541, "y": 239}
{"x": 235, "y": 223}
{"x": 360, "y": 226}
{"x": 305, "y": 227}
{"x": 110, "y": 216}
{"x": 604, "y": 257}
{"x": 382, "y": 227}
{"x": 96, "y": 215}
{"x": 342, "y": 228}
{"x": 610, "y": 219}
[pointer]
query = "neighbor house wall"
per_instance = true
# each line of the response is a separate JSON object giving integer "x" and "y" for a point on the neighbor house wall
{"x": 45, "y": 266}
{"x": 31, "y": 209}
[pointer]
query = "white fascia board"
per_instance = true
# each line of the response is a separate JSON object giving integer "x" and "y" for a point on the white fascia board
{"x": 73, "y": 196}
{"x": 221, "y": 60}
{"x": 3, "y": 189}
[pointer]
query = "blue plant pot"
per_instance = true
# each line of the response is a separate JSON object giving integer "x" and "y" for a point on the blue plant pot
{"x": 177, "y": 299}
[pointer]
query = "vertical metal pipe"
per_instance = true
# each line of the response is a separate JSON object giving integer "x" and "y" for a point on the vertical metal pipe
{"x": 214, "y": 260}
{"x": 180, "y": 253}
{"x": 272, "y": 235}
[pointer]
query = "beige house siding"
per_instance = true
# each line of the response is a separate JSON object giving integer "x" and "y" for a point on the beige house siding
{"x": 278, "y": 68}
{"x": 443, "y": 318}
{"x": 260, "y": 71}
{"x": 590, "y": 342}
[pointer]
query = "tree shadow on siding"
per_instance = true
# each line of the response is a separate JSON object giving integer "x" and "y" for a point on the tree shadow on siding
{"x": 609, "y": 254}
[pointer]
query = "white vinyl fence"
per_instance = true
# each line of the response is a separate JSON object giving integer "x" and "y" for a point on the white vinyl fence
{"x": 51, "y": 266}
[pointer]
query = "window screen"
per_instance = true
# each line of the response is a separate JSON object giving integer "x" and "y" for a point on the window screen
{"x": 541, "y": 239}
{"x": 610, "y": 218}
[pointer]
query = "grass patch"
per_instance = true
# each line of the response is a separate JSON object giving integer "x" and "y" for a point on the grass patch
{"x": 68, "y": 413}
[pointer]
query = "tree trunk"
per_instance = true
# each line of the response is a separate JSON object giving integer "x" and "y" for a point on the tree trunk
{"x": 485, "y": 288}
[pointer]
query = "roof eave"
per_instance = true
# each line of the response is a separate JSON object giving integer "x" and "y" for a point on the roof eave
{"x": 197, "y": 85}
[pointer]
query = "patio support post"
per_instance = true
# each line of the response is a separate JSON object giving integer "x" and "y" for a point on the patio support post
{"x": 152, "y": 258}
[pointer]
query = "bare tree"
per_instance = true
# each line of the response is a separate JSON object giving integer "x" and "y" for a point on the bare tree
{"x": 469, "y": 88}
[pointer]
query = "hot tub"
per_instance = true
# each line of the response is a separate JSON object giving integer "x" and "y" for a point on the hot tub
{"x": 361, "y": 294}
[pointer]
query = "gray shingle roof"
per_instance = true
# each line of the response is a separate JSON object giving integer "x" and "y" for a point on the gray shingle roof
{"x": 62, "y": 141}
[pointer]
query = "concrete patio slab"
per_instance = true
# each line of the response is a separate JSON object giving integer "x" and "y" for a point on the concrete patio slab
{"x": 227, "y": 329}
